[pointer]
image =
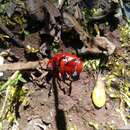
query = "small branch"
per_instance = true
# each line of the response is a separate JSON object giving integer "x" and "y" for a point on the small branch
{"x": 23, "y": 66}
{"x": 53, "y": 11}
{"x": 101, "y": 42}
{"x": 84, "y": 36}
{"x": 7, "y": 92}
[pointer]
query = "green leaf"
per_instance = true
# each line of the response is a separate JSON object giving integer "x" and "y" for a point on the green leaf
{"x": 23, "y": 80}
{"x": 1, "y": 126}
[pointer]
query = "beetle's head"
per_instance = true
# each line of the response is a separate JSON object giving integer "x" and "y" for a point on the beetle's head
{"x": 75, "y": 76}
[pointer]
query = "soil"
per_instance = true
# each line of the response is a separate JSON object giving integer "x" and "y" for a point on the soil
{"x": 60, "y": 111}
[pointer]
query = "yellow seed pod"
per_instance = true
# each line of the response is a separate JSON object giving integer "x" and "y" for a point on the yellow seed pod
{"x": 98, "y": 94}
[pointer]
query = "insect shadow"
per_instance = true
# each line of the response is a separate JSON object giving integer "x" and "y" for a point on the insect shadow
{"x": 65, "y": 90}
{"x": 60, "y": 115}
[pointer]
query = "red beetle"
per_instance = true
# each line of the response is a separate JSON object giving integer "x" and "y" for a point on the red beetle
{"x": 64, "y": 65}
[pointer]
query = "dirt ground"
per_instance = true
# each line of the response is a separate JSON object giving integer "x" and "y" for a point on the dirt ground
{"x": 62, "y": 112}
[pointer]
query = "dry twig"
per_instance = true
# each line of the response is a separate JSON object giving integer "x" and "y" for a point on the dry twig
{"x": 84, "y": 36}
{"x": 23, "y": 66}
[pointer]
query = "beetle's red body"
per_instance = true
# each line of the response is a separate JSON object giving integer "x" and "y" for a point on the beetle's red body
{"x": 65, "y": 64}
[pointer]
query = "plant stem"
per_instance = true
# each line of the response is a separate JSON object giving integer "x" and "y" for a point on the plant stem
{"x": 7, "y": 84}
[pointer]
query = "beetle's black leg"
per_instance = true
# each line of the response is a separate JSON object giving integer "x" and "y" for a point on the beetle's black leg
{"x": 70, "y": 88}
{"x": 63, "y": 89}
{"x": 50, "y": 91}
